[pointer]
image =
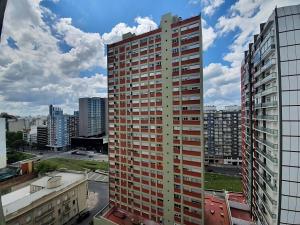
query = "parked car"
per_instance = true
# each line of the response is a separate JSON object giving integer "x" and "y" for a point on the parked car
{"x": 83, "y": 215}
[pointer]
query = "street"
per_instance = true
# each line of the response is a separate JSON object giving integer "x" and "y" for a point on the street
{"x": 67, "y": 154}
{"x": 98, "y": 198}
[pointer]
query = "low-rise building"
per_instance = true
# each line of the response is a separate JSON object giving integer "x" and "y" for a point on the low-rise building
{"x": 53, "y": 199}
{"x": 227, "y": 208}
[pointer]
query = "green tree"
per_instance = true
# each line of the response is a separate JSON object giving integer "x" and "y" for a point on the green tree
{"x": 44, "y": 167}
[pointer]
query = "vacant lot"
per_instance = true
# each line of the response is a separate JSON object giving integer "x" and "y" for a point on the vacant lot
{"x": 222, "y": 182}
{"x": 70, "y": 164}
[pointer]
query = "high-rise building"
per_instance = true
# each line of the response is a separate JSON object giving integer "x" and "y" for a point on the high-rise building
{"x": 58, "y": 131}
{"x": 2, "y": 143}
{"x": 42, "y": 136}
{"x": 92, "y": 116}
{"x": 155, "y": 89}
{"x": 270, "y": 77}
{"x": 73, "y": 125}
{"x": 222, "y": 139}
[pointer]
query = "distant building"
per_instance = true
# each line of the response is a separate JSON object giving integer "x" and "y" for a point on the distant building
{"x": 98, "y": 144}
{"x": 2, "y": 143}
{"x": 92, "y": 116}
{"x": 73, "y": 125}
{"x": 42, "y": 136}
{"x": 222, "y": 135}
{"x": 52, "y": 199}
{"x": 18, "y": 124}
{"x": 58, "y": 131}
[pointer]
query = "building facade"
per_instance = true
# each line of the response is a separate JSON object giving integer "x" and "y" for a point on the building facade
{"x": 92, "y": 116}
{"x": 155, "y": 89}
{"x": 58, "y": 130}
{"x": 2, "y": 143}
{"x": 52, "y": 199}
{"x": 73, "y": 125}
{"x": 270, "y": 118}
{"x": 42, "y": 136}
{"x": 222, "y": 138}
{"x": 18, "y": 124}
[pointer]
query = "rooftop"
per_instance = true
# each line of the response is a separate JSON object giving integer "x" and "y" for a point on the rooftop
{"x": 19, "y": 199}
{"x": 121, "y": 217}
{"x": 215, "y": 211}
{"x": 238, "y": 207}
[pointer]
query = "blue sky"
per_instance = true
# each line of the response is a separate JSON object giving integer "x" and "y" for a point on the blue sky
{"x": 55, "y": 49}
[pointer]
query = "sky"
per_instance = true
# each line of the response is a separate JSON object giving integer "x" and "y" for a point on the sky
{"x": 53, "y": 51}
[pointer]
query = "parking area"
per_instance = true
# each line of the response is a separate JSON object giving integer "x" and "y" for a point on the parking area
{"x": 98, "y": 177}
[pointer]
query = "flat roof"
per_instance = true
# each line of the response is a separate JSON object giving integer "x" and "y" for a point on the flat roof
{"x": 19, "y": 199}
{"x": 238, "y": 206}
{"x": 240, "y": 214}
{"x": 215, "y": 211}
{"x": 236, "y": 197}
{"x": 121, "y": 217}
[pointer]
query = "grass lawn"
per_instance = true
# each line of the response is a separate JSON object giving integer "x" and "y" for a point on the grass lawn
{"x": 70, "y": 164}
{"x": 14, "y": 156}
{"x": 219, "y": 182}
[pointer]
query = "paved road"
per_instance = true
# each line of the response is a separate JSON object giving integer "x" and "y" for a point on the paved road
{"x": 98, "y": 198}
{"x": 93, "y": 176}
{"x": 68, "y": 155}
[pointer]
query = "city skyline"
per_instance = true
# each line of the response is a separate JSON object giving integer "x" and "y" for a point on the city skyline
{"x": 74, "y": 43}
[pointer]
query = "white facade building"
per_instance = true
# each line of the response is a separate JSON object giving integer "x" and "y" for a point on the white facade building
{"x": 2, "y": 143}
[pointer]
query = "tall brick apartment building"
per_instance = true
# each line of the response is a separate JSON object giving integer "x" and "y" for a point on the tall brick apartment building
{"x": 155, "y": 91}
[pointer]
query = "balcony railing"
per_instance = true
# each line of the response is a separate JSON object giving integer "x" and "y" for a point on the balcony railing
{"x": 267, "y": 143}
{"x": 271, "y": 158}
{"x": 266, "y": 104}
{"x": 265, "y": 167}
{"x": 267, "y": 130}
{"x": 267, "y": 117}
{"x": 268, "y": 65}
{"x": 266, "y": 79}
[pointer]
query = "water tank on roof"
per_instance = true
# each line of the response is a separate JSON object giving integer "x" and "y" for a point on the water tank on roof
{"x": 54, "y": 182}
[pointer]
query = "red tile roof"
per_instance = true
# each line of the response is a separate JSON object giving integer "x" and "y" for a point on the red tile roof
{"x": 215, "y": 211}
{"x": 122, "y": 217}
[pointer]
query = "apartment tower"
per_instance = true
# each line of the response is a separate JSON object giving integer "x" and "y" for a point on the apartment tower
{"x": 270, "y": 84}
{"x": 92, "y": 116}
{"x": 222, "y": 135}
{"x": 58, "y": 132}
{"x": 155, "y": 87}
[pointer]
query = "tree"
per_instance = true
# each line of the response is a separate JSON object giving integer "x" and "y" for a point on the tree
{"x": 44, "y": 167}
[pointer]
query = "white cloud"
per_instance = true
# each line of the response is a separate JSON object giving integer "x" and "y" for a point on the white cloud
{"x": 40, "y": 72}
{"x": 222, "y": 83}
{"x": 211, "y": 6}
{"x": 208, "y": 35}
{"x": 145, "y": 24}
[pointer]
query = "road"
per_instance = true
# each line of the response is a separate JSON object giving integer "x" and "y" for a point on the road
{"x": 67, "y": 154}
{"x": 98, "y": 198}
